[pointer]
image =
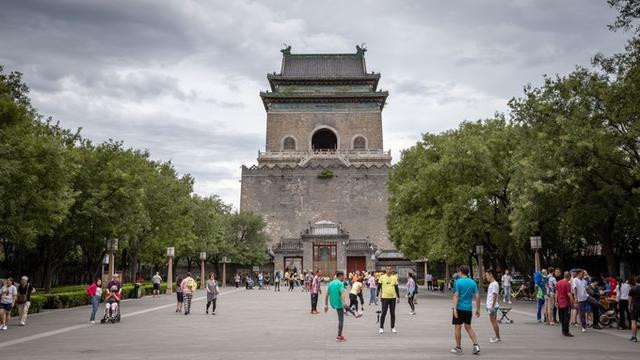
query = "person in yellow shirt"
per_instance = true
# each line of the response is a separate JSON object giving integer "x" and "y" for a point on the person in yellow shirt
{"x": 389, "y": 296}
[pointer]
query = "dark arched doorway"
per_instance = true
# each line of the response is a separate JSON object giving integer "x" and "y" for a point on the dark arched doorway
{"x": 324, "y": 139}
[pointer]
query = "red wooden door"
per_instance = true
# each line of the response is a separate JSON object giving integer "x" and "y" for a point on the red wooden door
{"x": 355, "y": 263}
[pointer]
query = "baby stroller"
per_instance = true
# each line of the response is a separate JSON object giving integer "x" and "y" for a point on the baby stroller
{"x": 112, "y": 306}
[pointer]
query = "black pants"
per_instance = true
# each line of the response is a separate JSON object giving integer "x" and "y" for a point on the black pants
{"x": 291, "y": 284}
{"x": 213, "y": 308}
{"x": 624, "y": 314}
{"x": 314, "y": 302}
{"x": 388, "y": 304}
{"x": 353, "y": 302}
{"x": 565, "y": 316}
{"x": 411, "y": 305}
{"x": 237, "y": 284}
{"x": 276, "y": 287}
{"x": 361, "y": 299}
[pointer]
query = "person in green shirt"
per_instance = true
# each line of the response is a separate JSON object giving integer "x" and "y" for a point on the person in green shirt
{"x": 335, "y": 296}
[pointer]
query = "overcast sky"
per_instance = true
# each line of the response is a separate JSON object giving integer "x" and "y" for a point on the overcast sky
{"x": 181, "y": 78}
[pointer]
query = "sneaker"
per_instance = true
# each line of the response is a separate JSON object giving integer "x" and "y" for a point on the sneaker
{"x": 341, "y": 339}
{"x": 494, "y": 340}
{"x": 456, "y": 350}
{"x": 633, "y": 339}
{"x": 358, "y": 314}
{"x": 93, "y": 321}
{"x": 22, "y": 323}
{"x": 584, "y": 330}
{"x": 411, "y": 313}
{"x": 380, "y": 331}
{"x": 393, "y": 330}
{"x": 568, "y": 335}
{"x": 476, "y": 349}
{"x": 5, "y": 327}
{"x": 510, "y": 302}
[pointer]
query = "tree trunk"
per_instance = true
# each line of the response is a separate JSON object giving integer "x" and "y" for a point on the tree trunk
{"x": 607, "y": 244}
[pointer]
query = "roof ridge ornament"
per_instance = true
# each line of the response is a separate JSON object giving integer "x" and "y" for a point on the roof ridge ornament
{"x": 360, "y": 49}
{"x": 286, "y": 50}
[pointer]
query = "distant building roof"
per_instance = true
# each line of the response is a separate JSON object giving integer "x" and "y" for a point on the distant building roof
{"x": 323, "y": 65}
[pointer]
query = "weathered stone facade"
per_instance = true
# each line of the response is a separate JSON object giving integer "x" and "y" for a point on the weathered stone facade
{"x": 321, "y": 181}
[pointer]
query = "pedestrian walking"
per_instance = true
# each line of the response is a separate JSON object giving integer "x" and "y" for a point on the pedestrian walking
{"x": 564, "y": 300}
{"x": 276, "y": 281}
{"x": 429, "y": 279}
{"x": 212, "y": 293}
{"x": 23, "y": 300}
{"x": 622, "y": 297}
{"x": 373, "y": 288}
{"x": 8, "y": 294}
{"x": 550, "y": 296}
{"x": 94, "y": 291}
{"x": 236, "y": 280}
{"x": 506, "y": 287}
{"x": 464, "y": 291}
{"x": 189, "y": 286}
{"x": 493, "y": 292}
{"x": 179, "y": 295}
{"x": 540, "y": 293}
{"x": 335, "y": 293}
{"x": 411, "y": 293}
{"x": 155, "y": 281}
{"x": 315, "y": 292}
{"x": 634, "y": 302}
{"x": 260, "y": 281}
{"x": 389, "y": 295}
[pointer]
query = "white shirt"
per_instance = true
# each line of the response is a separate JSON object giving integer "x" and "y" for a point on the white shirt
{"x": 580, "y": 287}
{"x": 551, "y": 285}
{"x": 623, "y": 291}
{"x": 506, "y": 280}
{"x": 493, "y": 289}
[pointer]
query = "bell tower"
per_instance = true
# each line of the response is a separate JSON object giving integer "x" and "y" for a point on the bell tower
{"x": 320, "y": 182}
{"x": 323, "y": 105}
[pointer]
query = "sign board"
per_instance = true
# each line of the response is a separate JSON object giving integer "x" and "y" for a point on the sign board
{"x": 256, "y": 268}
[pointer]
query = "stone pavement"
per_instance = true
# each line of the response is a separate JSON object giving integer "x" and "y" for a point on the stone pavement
{"x": 266, "y": 325}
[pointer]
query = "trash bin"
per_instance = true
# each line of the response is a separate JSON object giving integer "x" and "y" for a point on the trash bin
{"x": 136, "y": 291}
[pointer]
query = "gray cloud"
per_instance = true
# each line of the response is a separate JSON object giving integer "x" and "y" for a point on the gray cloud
{"x": 181, "y": 78}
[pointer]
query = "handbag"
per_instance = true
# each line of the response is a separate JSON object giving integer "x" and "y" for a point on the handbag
{"x": 22, "y": 298}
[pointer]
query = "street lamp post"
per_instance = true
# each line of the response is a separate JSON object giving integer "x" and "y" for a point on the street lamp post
{"x": 536, "y": 245}
{"x": 203, "y": 257}
{"x": 112, "y": 247}
{"x": 426, "y": 269}
{"x": 446, "y": 273}
{"x": 480, "y": 252}
{"x": 171, "y": 251}
{"x": 225, "y": 260}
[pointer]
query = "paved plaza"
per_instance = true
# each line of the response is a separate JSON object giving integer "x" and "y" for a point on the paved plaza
{"x": 266, "y": 325}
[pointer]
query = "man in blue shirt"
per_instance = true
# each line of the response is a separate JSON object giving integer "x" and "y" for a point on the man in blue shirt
{"x": 464, "y": 291}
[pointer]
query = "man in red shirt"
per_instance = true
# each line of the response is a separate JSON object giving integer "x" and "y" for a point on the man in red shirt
{"x": 564, "y": 299}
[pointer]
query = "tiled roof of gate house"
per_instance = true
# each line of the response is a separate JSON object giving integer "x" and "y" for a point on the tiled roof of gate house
{"x": 323, "y": 65}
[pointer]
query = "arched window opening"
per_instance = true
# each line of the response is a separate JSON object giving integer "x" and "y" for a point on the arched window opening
{"x": 324, "y": 139}
{"x": 289, "y": 143}
{"x": 359, "y": 143}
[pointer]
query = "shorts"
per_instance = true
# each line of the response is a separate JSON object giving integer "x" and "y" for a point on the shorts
{"x": 464, "y": 317}
{"x": 635, "y": 314}
{"x": 491, "y": 312}
{"x": 6, "y": 307}
{"x": 180, "y": 296}
{"x": 156, "y": 286}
